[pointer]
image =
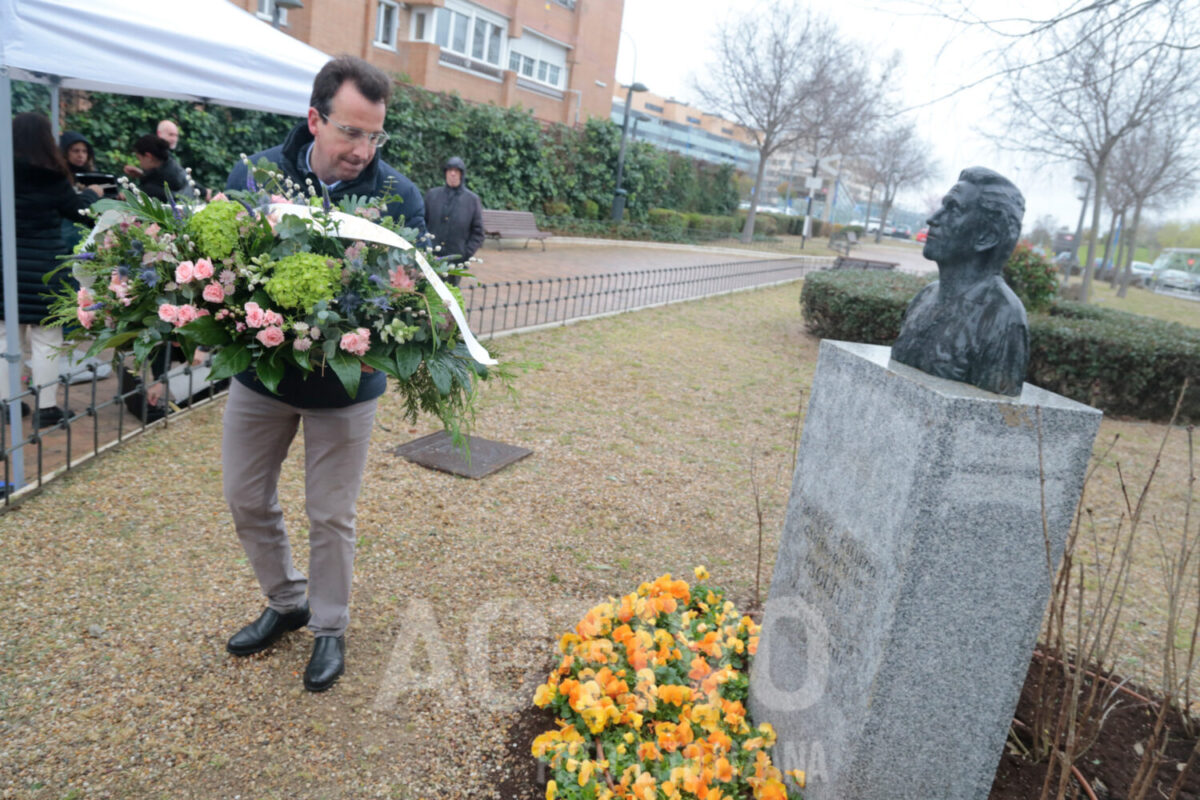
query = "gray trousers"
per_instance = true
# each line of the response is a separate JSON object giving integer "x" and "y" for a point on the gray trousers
{"x": 257, "y": 433}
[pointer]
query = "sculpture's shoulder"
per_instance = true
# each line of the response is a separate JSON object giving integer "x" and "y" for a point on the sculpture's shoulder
{"x": 1001, "y": 306}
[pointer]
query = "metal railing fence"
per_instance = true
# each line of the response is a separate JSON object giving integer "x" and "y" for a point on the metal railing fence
{"x": 114, "y": 408}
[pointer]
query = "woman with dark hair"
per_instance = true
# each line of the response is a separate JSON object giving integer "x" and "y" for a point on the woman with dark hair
{"x": 158, "y": 169}
{"x": 78, "y": 152}
{"x": 44, "y": 197}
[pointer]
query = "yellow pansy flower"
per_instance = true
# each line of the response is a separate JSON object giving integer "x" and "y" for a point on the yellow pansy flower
{"x": 701, "y": 573}
{"x": 551, "y": 790}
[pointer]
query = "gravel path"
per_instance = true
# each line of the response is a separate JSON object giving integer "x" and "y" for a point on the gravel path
{"x": 122, "y": 581}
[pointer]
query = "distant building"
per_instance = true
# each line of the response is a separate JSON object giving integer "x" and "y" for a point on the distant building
{"x": 555, "y": 57}
{"x": 685, "y": 129}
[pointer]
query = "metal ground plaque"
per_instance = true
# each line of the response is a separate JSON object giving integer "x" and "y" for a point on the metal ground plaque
{"x": 436, "y": 451}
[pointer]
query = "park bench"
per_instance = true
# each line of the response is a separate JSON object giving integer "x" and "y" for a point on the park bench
{"x": 843, "y": 262}
{"x": 842, "y": 241}
{"x": 501, "y": 225}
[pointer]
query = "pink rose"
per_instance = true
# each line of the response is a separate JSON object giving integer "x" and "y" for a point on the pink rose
{"x": 241, "y": 326}
{"x": 185, "y": 272}
{"x": 152, "y": 229}
{"x": 222, "y": 314}
{"x": 213, "y": 293}
{"x": 218, "y": 197}
{"x": 357, "y": 342}
{"x": 186, "y": 313}
{"x": 84, "y": 298}
{"x": 272, "y": 318}
{"x": 203, "y": 269}
{"x": 302, "y": 344}
{"x": 255, "y": 317}
{"x": 168, "y": 313}
{"x": 270, "y": 337}
{"x": 400, "y": 280}
{"x": 86, "y": 318}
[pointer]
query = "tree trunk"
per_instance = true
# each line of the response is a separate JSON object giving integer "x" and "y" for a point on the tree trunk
{"x": 1118, "y": 262}
{"x": 1127, "y": 277}
{"x": 883, "y": 215}
{"x": 1085, "y": 294}
{"x": 748, "y": 228}
{"x": 1108, "y": 241}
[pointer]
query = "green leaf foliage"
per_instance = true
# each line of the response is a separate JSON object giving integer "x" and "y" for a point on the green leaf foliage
{"x": 1124, "y": 364}
{"x": 514, "y": 161}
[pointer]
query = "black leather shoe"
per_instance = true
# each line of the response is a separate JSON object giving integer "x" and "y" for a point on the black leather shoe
{"x": 262, "y": 633}
{"x": 327, "y": 663}
{"x": 45, "y": 417}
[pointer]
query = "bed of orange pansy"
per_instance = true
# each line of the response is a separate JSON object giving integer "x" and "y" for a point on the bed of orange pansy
{"x": 650, "y": 696}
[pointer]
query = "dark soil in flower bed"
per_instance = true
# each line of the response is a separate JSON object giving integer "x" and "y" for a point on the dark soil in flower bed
{"x": 1109, "y": 766}
{"x": 1111, "y": 763}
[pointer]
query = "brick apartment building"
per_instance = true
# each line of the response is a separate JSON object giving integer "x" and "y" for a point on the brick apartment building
{"x": 555, "y": 57}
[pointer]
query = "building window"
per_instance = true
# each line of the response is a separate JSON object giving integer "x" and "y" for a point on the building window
{"x": 463, "y": 29}
{"x": 652, "y": 107}
{"x": 386, "y": 19}
{"x": 539, "y": 59}
{"x": 694, "y": 120}
{"x": 728, "y": 131}
{"x": 266, "y": 10}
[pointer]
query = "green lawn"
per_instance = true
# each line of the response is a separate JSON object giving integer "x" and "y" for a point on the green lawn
{"x": 1147, "y": 303}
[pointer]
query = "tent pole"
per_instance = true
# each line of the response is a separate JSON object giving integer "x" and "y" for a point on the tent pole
{"x": 8, "y": 260}
{"x": 55, "y": 125}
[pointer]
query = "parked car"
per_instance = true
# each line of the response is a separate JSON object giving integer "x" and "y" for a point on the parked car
{"x": 1142, "y": 269}
{"x": 1178, "y": 268}
{"x": 922, "y": 235}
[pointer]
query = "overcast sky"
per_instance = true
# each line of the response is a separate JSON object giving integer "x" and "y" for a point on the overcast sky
{"x": 665, "y": 44}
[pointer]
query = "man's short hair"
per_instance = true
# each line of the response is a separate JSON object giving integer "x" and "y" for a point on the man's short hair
{"x": 1004, "y": 208}
{"x": 371, "y": 82}
{"x": 153, "y": 144}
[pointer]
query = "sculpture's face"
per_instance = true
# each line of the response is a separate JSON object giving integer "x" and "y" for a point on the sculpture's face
{"x": 954, "y": 228}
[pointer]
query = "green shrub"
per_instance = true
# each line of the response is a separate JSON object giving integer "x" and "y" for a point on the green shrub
{"x": 589, "y": 209}
{"x": 556, "y": 208}
{"x": 855, "y": 306}
{"x": 700, "y": 222}
{"x": 1032, "y": 277}
{"x": 725, "y": 225}
{"x": 666, "y": 218}
{"x": 1123, "y": 364}
{"x": 764, "y": 224}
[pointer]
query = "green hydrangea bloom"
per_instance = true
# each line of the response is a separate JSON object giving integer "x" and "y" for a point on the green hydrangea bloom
{"x": 215, "y": 228}
{"x": 302, "y": 280}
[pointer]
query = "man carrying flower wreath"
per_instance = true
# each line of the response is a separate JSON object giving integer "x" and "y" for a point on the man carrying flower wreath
{"x": 337, "y": 150}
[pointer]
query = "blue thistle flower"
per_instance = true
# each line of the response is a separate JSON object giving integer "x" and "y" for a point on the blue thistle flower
{"x": 94, "y": 307}
{"x": 250, "y": 184}
{"x": 149, "y": 276}
{"x": 84, "y": 256}
{"x": 123, "y": 270}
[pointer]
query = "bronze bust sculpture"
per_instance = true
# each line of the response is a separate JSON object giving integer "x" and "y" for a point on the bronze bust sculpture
{"x": 968, "y": 325}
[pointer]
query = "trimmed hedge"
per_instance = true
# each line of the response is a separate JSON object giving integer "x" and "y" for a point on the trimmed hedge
{"x": 1124, "y": 364}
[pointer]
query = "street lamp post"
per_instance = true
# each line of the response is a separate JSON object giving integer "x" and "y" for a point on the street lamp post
{"x": 285, "y": 4}
{"x": 618, "y": 204}
{"x": 1085, "y": 191}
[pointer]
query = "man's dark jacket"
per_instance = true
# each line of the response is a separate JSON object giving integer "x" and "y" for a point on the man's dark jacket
{"x": 170, "y": 175}
{"x": 44, "y": 198}
{"x": 324, "y": 390}
{"x": 455, "y": 216}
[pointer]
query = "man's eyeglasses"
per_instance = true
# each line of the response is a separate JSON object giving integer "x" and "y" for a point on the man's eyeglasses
{"x": 352, "y": 134}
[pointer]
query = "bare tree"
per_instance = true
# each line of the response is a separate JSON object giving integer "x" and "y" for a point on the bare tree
{"x": 777, "y": 70}
{"x": 899, "y": 158}
{"x": 1103, "y": 82}
{"x": 1154, "y": 167}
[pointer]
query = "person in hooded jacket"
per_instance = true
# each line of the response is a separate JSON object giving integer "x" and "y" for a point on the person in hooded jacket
{"x": 78, "y": 152}
{"x": 44, "y": 198}
{"x": 454, "y": 216}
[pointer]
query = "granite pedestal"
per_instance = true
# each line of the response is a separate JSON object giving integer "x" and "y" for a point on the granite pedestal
{"x": 912, "y": 576}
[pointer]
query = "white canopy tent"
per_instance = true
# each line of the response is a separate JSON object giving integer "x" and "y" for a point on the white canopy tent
{"x": 204, "y": 50}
